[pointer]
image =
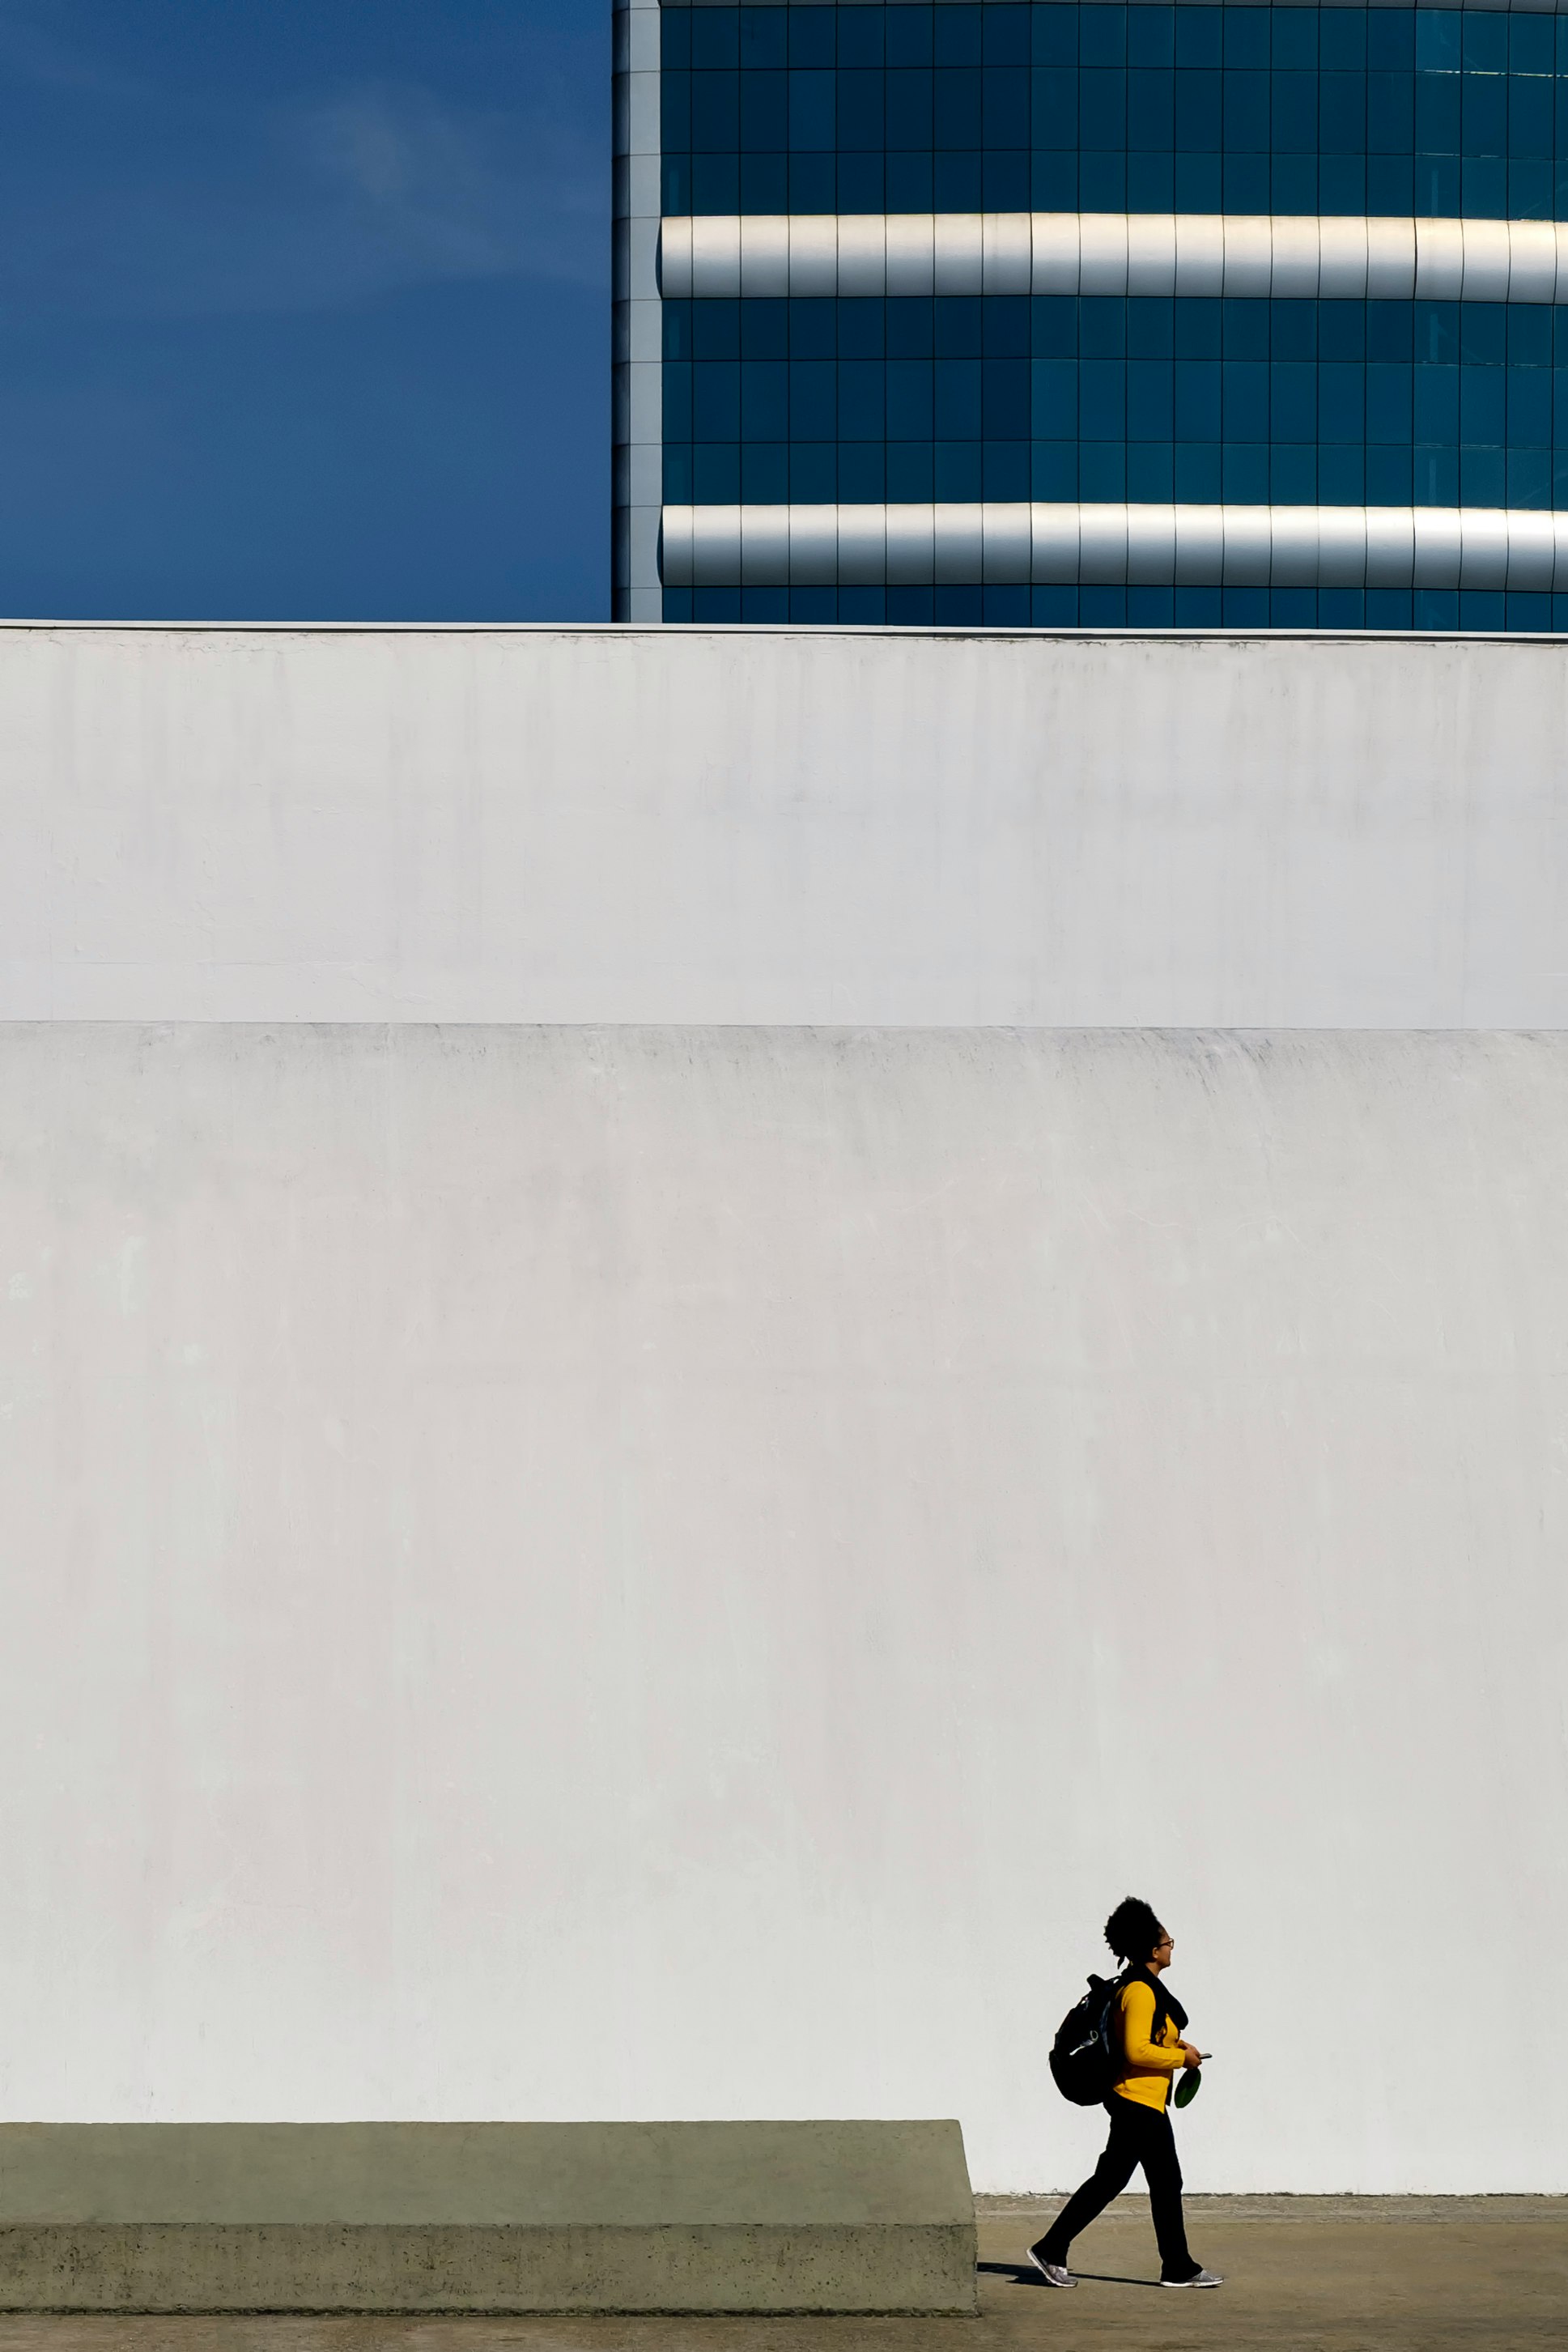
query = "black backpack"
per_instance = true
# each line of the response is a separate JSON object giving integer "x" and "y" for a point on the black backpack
{"x": 1083, "y": 2055}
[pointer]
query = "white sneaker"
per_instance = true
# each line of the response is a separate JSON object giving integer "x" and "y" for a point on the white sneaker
{"x": 1204, "y": 2278}
{"x": 1053, "y": 2273}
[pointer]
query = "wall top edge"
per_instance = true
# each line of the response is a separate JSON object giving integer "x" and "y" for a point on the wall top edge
{"x": 176, "y": 1032}
{"x": 159, "y": 1037}
{"x": 663, "y": 629}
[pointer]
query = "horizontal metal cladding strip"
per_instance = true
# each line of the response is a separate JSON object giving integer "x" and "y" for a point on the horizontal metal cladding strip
{"x": 1281, "y": 257}
{"x": 1489, "y": 7}
{"x": 1236, "y": 546}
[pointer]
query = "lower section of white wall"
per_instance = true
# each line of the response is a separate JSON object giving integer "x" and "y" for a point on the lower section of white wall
{"x": 573, "y": 1573}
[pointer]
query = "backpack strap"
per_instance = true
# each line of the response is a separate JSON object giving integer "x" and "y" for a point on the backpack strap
{"x": 1132, "y": 1975}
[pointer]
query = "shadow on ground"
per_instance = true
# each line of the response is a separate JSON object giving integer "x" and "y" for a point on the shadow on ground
{"x": 1025, "y": 2275}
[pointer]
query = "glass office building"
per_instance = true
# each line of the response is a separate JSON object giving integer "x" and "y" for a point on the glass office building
{"x": 985, "y": 312}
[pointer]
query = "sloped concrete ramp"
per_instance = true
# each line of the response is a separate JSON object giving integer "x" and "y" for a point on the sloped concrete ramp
{"x": 497, "y": 2217}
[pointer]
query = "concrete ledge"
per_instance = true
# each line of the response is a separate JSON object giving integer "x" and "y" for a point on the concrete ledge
{"x": 720, "y": 2217}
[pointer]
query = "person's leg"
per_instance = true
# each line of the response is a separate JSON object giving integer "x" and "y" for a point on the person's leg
{"x": 1109, "y": 2177}
{"x": 1162, "y": 2170}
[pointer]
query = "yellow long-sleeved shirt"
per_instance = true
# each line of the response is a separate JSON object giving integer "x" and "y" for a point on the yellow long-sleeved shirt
{"x": 1146, "y": 2066}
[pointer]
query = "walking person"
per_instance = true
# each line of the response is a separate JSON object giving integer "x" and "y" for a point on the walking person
{"x": 1147, "y": 2024}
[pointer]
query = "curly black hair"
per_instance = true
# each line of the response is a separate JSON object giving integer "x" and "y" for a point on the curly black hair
{"x": 1133, "y": 1930}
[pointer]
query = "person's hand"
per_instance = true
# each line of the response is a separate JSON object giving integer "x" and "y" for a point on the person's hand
{"x": 1191, "y": 2058}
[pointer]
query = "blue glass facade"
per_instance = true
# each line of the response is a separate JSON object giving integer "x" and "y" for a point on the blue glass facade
{"x": 1414, "y": 114}
{"x": 981, "y": 106}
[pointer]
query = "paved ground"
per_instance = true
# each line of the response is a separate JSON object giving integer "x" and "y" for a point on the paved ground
{"x": 1303, "y": 2275}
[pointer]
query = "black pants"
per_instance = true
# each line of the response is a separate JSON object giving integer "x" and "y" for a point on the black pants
{"x": 1143, "y": 2136}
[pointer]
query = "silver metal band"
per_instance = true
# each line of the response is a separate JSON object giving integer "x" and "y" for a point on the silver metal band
{"x": 1281, "y": 257}
{"x": 1280, "y": 547}
{"x": 1504, "y": 7}
{"x": 1524, "y": 9}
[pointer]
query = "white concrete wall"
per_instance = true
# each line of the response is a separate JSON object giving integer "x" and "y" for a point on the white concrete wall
{"x": 572, "y": 826}
{"x": 596, "y": 1573}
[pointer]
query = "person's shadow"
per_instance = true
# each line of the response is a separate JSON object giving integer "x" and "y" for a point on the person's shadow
{"x": 1025, "y": 2275}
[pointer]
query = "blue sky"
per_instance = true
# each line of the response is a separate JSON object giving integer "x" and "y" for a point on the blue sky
{"x": 304, "y": 309}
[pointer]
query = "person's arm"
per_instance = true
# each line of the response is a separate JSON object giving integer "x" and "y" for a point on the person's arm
{"x": 1137, "y": 2020}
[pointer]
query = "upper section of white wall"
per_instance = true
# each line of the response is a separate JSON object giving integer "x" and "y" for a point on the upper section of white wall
{"x": 850, "y": 828}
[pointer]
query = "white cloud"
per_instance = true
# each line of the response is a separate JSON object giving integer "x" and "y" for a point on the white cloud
{"x": 443, "y": 194}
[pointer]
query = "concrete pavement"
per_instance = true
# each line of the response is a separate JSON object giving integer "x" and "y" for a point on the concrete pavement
{"x": 1303, "y": 2275}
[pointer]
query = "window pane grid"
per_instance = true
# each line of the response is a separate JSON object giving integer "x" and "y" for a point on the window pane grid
{"x": 1123, "y": 608}
{"x": 1004, "y": 107}
{"x": 1382, "y": 403}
